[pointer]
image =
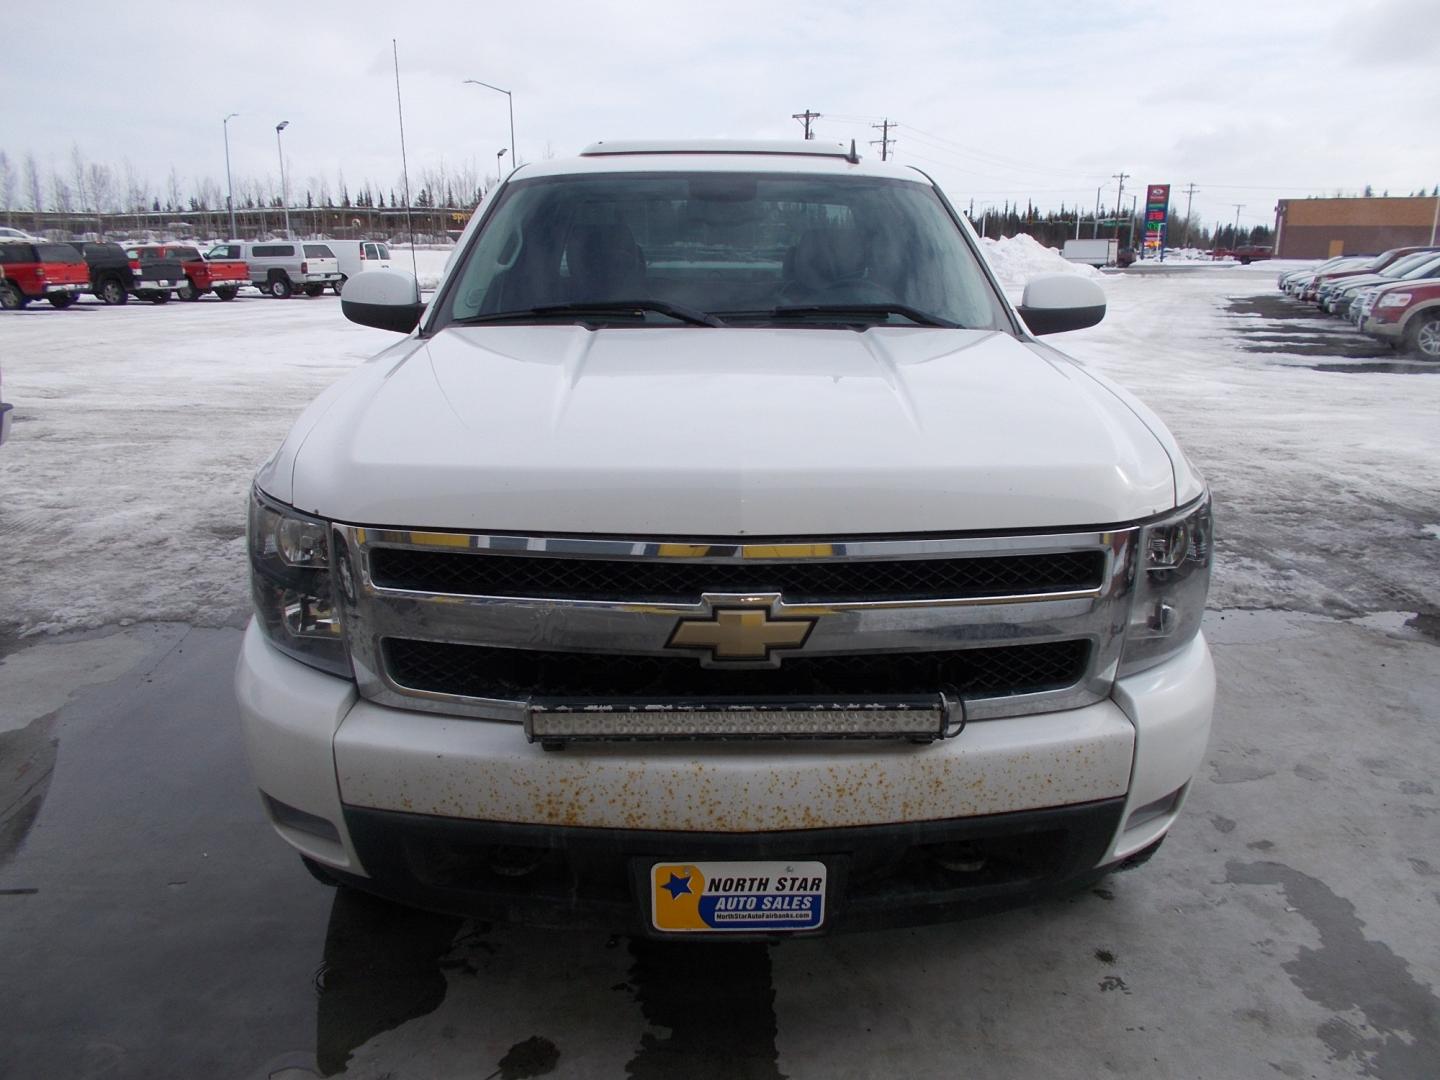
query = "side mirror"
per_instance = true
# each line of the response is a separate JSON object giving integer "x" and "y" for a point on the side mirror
{"x": 1054, "y": 303}
{"x": 384, "y": 299}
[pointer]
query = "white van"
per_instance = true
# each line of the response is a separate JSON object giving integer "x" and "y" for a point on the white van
{"x": 357, "y": 256}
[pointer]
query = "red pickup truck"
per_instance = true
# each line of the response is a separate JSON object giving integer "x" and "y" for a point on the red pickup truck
{"x": 40, "y": 271}
{"x": 204, "y": 273}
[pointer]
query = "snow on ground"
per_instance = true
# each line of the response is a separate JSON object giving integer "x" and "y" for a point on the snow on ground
{"x": 1324, "y": 481}
{"x": 1016, "y": 259}
{"x": 427, "y": 264}
{"x": 122, "y": 489}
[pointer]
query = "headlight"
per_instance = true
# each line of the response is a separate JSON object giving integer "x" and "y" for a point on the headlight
{"x": 1395, "y": 299}
{"x": 1172, "y": 578}
{"x": 291, "y": 586}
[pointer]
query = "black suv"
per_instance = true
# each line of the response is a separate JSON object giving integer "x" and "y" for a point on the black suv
{"x": 158, "y": 273}
{"x": 111, "y": 278}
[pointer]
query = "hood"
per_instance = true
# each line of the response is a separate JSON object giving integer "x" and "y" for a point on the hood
{"x": 691, "y": 431}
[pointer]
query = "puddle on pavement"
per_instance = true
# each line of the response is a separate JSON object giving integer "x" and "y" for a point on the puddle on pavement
{"x": 718, "y": 1004}
{"x": 381, "y": 969}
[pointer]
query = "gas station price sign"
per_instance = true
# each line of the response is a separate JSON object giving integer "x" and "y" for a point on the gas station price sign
{"x": 1157, "y": 214}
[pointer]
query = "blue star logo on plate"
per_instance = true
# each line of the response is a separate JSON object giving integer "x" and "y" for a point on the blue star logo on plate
{"x": 677, "y": 886}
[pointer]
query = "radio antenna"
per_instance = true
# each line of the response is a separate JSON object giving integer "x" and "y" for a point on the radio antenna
{"x": 405, "y": 170}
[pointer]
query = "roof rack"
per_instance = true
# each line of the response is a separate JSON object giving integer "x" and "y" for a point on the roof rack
{"x": 797, "y": 147}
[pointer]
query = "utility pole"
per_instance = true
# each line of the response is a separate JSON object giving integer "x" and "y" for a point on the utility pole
{"x": 229, "y": 186}
{"x": 884, "y": 141}
{"x": 1118, "y": 196}
{"x": 1095, "y": 232}
{"x": 284, "y": 191}
{"x": 805, "y": 118}
{"x": 1235, "y": 233}
{"x": 1189, "y": 195}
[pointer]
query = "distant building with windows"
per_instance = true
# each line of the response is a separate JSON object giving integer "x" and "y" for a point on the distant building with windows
{"x": 1321, "y": 228}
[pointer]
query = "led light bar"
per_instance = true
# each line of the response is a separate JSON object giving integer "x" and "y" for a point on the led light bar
{"x": 555, "y": 723}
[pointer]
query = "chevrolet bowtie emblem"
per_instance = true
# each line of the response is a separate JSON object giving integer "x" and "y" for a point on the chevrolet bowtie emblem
{"x": 740, "y": 634}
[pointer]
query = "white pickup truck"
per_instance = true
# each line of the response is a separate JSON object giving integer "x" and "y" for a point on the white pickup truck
{"x": 720, "y": 552}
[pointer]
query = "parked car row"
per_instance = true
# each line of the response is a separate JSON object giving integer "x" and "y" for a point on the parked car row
{"x": 1393, "y": 296}
{"x": 59, "y": 272}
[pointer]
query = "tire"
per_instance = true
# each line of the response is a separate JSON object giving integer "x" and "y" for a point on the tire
{"x": 279, "y": 287}
{"x": 112, "y": 292}
{"x": 1422, "y": 336}
{"x": 11, "y": 298}
{"x": 61, "y": 302}
{"x": 314, "y": 290}
{"x": 339, "y": 285}
{"x": 226, "y": 292}
{"x": 188, "y": 291}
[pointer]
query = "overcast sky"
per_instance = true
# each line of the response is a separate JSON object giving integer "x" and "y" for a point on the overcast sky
{"x": 1251, "y": 101}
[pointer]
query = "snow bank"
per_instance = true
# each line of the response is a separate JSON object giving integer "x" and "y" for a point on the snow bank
{"x": 1016, "y": 259}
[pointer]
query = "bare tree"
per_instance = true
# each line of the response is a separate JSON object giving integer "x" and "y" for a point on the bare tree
{"x": 173, "y": 190}
{"x": 101, "y": 182}
{"x": 136, "y": 188}
{"x": 62, "y": 199}
{"x": 32, "y": 184}
{"x": 77, "y": 172}
{"x": 7, "y": 187}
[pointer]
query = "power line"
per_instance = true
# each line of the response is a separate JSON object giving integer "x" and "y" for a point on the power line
{"x": 884, "y": 141}
{"x": 805, "y": 118}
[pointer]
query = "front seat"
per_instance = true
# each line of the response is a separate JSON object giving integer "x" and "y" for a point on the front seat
{"x": 605, "y": 263}
{"x": 826, "y": 266}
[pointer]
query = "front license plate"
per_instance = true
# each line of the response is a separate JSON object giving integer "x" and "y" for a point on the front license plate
{"x": 748, "y": 897}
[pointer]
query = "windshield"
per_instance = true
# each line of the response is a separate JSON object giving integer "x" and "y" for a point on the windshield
{"x": 1428, "y": 266}
{"x": 750, "y": 248}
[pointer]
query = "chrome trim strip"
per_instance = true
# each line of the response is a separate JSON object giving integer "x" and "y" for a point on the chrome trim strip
{"x": 748, "y": 552}
{"x": 371, "y": 613}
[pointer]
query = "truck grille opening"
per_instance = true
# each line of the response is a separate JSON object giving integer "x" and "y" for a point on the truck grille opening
{"x": 662, "y": 581}
{"x": 513, "y": 674}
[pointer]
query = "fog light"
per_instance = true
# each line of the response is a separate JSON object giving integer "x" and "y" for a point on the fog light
{"x": 1154, "y": 811}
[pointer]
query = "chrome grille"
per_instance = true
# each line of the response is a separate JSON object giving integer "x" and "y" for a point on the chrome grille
{"x": 484, "y": 625}
{"x": 660, "y": 581}
{"x": 487, "y": 672}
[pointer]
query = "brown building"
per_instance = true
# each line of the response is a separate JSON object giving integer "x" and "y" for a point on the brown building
{"x": 1320, "y": 228}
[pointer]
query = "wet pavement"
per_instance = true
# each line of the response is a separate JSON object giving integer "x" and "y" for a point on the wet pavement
{"x": 1277, "y": 324}
{"x": 152, "y": 926}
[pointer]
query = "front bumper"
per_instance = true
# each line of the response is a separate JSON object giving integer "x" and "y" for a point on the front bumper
{"x": 1390, "y": 331}
{"x": 360, "y": 787}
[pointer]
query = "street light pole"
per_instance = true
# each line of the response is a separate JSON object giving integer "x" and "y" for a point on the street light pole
{"x": 229, "y": 186}
{"x": 511, "y": 99}
{"x": 284, "y": 191}
{"x": 1235, "y": 232}
{"x": 498, "y": 155}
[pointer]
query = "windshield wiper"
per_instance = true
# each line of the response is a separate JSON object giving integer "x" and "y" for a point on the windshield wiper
{"x": 905, "y": 311}
{"x": 681, "y": 312}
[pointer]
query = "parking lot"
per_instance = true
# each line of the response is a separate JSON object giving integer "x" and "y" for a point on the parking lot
{"x": 153, "y": 926}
